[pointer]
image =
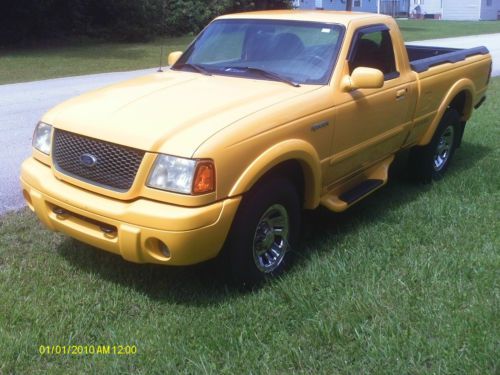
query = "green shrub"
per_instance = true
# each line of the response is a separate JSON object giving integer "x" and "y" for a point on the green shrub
{"x": 34, "y": 20}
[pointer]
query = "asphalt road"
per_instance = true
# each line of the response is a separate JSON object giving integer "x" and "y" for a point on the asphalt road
{"x": 22, "y": 105}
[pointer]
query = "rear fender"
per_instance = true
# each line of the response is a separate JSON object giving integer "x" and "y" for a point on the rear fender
{"x": 463, "y": 85}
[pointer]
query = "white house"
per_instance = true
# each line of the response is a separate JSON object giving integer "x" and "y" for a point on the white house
{"x": 471, "y": 9}
{"x": 357, "y": 5}
{"x": 392, "y": 7}
{"x": 444, "y": 9}
{"x": 428, "y": 7}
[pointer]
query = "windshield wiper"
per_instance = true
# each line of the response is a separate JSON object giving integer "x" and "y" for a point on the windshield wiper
{"x": 196, "y": 67}
{"x": 262, "y": 72}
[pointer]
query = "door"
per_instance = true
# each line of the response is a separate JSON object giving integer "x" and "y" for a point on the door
{"x": 371, "y": 124}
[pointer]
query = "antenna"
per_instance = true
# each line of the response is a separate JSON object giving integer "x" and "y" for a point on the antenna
{"x": 161, "y": 59}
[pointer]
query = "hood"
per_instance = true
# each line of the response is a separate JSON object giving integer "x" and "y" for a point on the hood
{"x": 171, "y": 112}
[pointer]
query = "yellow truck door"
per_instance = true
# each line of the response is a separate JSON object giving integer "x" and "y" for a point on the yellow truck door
{"x": 371, "y": 124}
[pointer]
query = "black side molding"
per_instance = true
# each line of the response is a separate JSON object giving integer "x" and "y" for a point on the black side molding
{"x": 480, "y": 103}
{"x": 423, "y": 65}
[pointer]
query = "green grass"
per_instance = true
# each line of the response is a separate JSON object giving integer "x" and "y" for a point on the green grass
{"x": 86, "y": 57}
{"x": 406, "y": 282}
{"x": 83, "y": 57}
{"x": 433, "y": 29}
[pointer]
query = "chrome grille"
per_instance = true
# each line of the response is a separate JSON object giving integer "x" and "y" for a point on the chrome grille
{"x": 114, "y": 166}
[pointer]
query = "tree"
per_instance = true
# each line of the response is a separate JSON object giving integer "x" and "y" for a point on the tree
{"x": 35, "y": 20}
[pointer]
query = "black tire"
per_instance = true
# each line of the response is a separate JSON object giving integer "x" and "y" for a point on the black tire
{"x": 255, "y": 230}
{"x": 430, "y": 162}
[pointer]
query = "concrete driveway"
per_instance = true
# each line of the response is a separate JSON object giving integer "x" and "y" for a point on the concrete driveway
{"x": 22, "y": 105}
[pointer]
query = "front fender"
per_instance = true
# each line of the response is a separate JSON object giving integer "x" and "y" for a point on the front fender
{"x": 294, "y": 149}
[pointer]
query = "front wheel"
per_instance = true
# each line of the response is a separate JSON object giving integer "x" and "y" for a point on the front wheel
{"x": 264, "y": 233}
{"x": 430, "y": 162}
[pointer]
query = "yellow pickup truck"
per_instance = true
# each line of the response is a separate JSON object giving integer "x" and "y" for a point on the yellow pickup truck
{"x": 265, "y": 114}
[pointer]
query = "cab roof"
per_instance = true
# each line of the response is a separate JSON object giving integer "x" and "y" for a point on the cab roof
{"x": 325, "y": 16}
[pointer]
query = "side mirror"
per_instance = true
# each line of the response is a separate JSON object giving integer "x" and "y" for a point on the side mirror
{"x": 173, "y": 57}
{"x": 363, "y": 78}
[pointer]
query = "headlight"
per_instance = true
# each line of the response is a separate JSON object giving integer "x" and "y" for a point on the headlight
{"x": 181, "y": 175}
{"x": 41, "y": 137}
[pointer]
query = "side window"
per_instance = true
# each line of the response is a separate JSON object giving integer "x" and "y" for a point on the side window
{"x": 374, "y": 50}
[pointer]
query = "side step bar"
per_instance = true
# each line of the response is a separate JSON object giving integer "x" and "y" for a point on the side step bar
{"x": 360, "y": 191}
{"x": 346, "y": 193}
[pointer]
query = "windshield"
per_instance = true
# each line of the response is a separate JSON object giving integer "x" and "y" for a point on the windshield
{"x": 298, "y": 52}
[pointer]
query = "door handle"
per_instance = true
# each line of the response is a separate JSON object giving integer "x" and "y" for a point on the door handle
{"x": 401, "y": 94}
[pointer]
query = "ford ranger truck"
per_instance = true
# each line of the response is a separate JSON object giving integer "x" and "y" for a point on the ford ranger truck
{"x": 264, "y": 115}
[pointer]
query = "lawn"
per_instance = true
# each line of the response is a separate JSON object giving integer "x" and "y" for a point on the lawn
{"x": 406, "y": 282}
{"x": 85, "y": 57}
{"x": 433, "y": 29}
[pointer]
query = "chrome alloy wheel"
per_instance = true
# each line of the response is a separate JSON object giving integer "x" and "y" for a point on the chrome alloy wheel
{"x": 444, "y": 148}
{"x": 270, "y": 242}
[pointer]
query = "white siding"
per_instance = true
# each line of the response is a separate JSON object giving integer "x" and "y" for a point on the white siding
{"x": 461, "y": 9}
{"x": 489, "y": 13}
{"x": 364, "y": 5}
{"x": 429, "y": 6}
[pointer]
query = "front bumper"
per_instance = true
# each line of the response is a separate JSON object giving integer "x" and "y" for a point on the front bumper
{"x": 132, "y": 229}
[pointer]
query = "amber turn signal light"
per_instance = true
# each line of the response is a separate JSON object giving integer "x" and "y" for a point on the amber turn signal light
{"x": 204, "y": 177}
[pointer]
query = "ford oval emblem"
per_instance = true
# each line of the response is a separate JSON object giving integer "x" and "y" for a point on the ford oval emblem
{"x": 88, "y": 160}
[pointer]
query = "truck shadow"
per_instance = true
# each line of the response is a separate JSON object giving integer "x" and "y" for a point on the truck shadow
{"x": 198, "y": 285}
{"x": 323, "y": 226}
{"x": 204, "y": 284}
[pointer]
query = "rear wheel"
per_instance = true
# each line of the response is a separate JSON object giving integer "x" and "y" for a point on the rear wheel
{"x": 430, "y": 162}
{"x": 265, "y": 232}
{"x": 444, "y": 148}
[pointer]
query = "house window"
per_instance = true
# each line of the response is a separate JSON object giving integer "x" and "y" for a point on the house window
{"x": 357, "y": 3}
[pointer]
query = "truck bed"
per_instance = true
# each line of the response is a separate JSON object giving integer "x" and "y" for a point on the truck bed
{"x": 422, "y": 58}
